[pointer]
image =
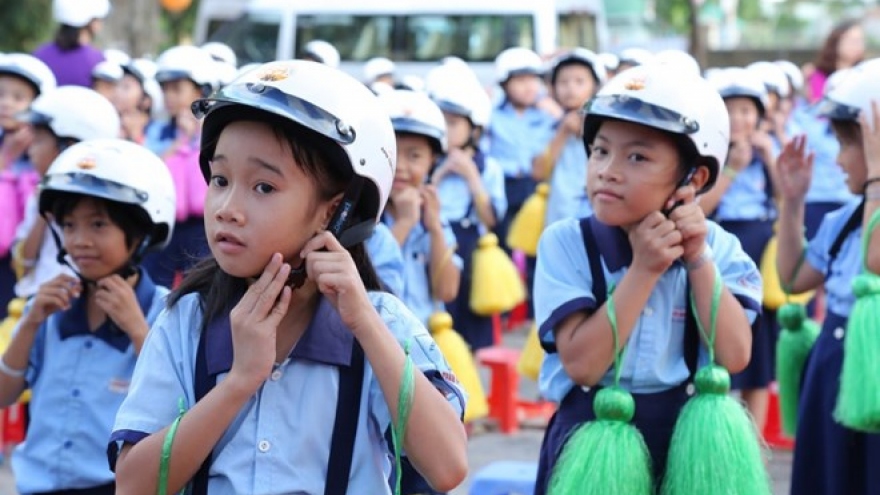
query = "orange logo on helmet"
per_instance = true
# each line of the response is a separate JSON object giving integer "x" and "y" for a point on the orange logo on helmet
{"x": 87, "y": 163}
{"x": 274, "y": 74}
{"x": 636, "y": 84}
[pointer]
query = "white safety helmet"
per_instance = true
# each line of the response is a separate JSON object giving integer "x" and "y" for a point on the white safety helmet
{"x": 794, "y": 74}
{"x": 413, "y": 112}
{"x": 411, "y": 82}
{"x": 377, "y": 67}
{"x": 580, "y": 56}
{"x": 681, "y": 104}
{"x": 221, "y": 52}
{"x": 29, "y": 68}
{"x": 187, "y": 62}
{"x": 773, "y": 76}
{"x": 116, "y": 56}
{"x": 144, "y": 70}
{"x": 634, "y": 56}
{"x": 609, "y": 60}
{"x": 851, "y": 96}
{"x": 736, "y": 82}
{"x": 323, "y": 52}
{"x": 457, "y": 90}
{"x": 516, "y": 61}
{"x": 74, "y": 112}
{"x": 677, "y": 60}
{"x": 325, "y": 101}
{"x": 79, "y": 13}
{"x": 107, "y": 71}
{"x": 224, "y": 74}
{"x": 244, "y": 69}
{"x": 115, "y": 170}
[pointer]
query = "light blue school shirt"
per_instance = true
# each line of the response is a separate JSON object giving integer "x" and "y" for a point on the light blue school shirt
{"x": 515, "y": 139}
{"x": 829, "y": 180}
{"x": 417, "y": 265}
{"x": 654, "y": 359}
{"x": 838, "y": 284}
{"x": 748, "y": 197}
{"x": 386, "y": 257}
{"x": 78, "y": 379}
{"x": 568, "y": 184}
{"x": 456, "y": 198}
{"x": 279, "y": 443}
{"x": 159, "y": 135}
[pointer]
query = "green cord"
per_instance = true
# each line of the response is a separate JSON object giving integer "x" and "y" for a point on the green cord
{"x": 404, "y": 407}
{"x": 619, "y": 352}
{"x": 866, "y": 237}
{"x": 166, "y": 450}
{"x": 713, "y": 316}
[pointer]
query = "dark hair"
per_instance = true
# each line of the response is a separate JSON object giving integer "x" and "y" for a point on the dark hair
{"x": 826, "y": 59}
{"x": 321, "y": 159}
{"x": 67, "y": 37}
{"x": 573, "y": 62}
{"x": 133, "y": 220}
{"x": 847, "y": 130}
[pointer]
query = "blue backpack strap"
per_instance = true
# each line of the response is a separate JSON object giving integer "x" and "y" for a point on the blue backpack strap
{"x": 203, "y": 383}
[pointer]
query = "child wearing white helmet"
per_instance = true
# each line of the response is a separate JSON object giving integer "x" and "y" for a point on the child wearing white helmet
{"x": 279, "y": 341}
{"x": 77, "y": 342}
{"x": 379, "y": 69}
{"x": 322, "y": 52}
{"x": 470, "y": 185}
{"x": 138, "y": 99}
{"x": 656, "y": 140}
{"x": 71, "y": 55}
{"x": 574, "y": 77}
{"x": 106, "y": 77}
{"x": 831, "y": 456}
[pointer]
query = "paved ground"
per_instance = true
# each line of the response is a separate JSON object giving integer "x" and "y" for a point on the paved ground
{"x": 487, "y": 446}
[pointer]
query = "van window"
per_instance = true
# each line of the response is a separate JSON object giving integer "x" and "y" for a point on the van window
{"x": 357, "y": 37}
{"x": 253, "y": 37}
{"x": 578, "y": 30}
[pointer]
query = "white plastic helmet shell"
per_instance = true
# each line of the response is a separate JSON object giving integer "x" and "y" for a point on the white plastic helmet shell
{"x": 516, "y": 61}
{"x": 116, "y": 170}
{"x": 74, "y": 112}
{"x": 30, "y": 69}
{"x": 581, "y": 56}
{"x": 456, "y": 89}
{"x": 107, "y": 71}
{"x": 738, "y": 82}
{"x": 773, "y": 76}
{"x": 655, "y": 97}
{"x": 79, "y": 13}
{"x": 609, "y": 60}
{"x": 221, "y": 52}
{"x": 322, "y": 52}
{"x": 186, "y": 62}
{"x": 116, "y": 56}
{"x": 377, "y": 67}
{"x": 793, "y": 72}
{"x": 223, "y": 74}
{"x": 635, "y": 56}
{"x": 851, "y": 96}
{"x": 678, "y": 60}
{"x": 413, "y": 112}
{"x": 320, "y": 98}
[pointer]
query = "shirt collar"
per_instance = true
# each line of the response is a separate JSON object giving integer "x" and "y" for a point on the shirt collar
{"x": 74, "y": 321}
{"x": 326, "y": 340}
{"x": 613, "y": 244}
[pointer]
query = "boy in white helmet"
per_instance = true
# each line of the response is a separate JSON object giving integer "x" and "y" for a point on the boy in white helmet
{"x": 76, "y": 345}
{"x": 656, "y": 140}
{"x": 288, "y": 364}
{"x": 106, "y": 77}
{"x": 138, "y": 99}
{"x": 71, "y": 55}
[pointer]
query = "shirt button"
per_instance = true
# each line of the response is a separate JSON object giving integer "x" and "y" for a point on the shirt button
{"x": 75, "y": 392}
{"x": 68, "y": 444}
{"x": 264, "y": 446}
{"x": 690, "y": 389}
{"x": 276, "y": 375}
{"x": 649, "y": 311}
{"x": 838, "y": 333}
{"x": 88, "y": 344}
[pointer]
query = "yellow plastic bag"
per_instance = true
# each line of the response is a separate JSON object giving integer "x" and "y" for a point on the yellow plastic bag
{"x": 774, "y": 296}
{"x": 461, "y": 361}
{"x": 528, "y": 224}
{"x": 496, "y": 285}
{"x": 14, "y": 311}
{"x": 532, "y": 356}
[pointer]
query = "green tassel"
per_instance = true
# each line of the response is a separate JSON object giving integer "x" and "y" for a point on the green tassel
{"x": 858, "y": 404}
{"x": 715, "y": 448}
{"x": 607, "y": 455}
{"x": 795, "y": 341}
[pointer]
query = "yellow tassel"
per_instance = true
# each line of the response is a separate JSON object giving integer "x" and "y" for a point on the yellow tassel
{"x": 496, "y": 286}
{"x": 774, "y": 296}
{"x": 461, "y": 361}
{"x": 527, "y": 225}
{"x": 14, "y": 311}
{"x": 532, "y": 356}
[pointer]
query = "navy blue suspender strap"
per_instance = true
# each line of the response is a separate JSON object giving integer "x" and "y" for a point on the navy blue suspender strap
{"x": 852, "y": 223}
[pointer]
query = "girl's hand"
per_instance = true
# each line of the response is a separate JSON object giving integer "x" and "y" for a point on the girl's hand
{"x": 794, "y": 169}
{"x": 690, "y": 221}
{"x": 337, "y": 277}
{"x": 871, "y": 139}
{"x": 116, "y": 297}
{"x": 54, "y": 295}
{"x": 255, "y": 321}
{"x": 764, "y": 144}
{"x": 431, "y": 208}
{"x": 573, "y": 123}
{"x": 460, "y": 163}
{"x": 656, "y": 244}
{"x": 740, "y": 155}
{"x": 407, "y": 204}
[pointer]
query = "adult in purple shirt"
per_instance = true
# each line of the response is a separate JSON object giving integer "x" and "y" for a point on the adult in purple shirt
{"x": 71, "y": 55}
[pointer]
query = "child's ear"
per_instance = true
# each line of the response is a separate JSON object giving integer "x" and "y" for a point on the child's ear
{"x": 701, "y": 177}
{"x": 330, "y": 209}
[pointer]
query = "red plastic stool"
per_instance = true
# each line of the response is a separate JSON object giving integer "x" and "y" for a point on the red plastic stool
{"x": 505, "y": 406}
{"x": 772, "y": 433}
{"x": 13, "y": 425}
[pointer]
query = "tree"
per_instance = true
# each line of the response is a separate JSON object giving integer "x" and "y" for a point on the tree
{"x": 133, "y": 27}
{"x": 24, "y": 24}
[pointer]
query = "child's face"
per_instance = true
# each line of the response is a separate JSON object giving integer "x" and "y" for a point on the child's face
{"x": 743, "y": 118}
{"x": 851, "y": 158}
{"x": 16, "y": 96}
{"x": 96, "y": 245}
{"x": 574, "y": 86}
{"x": 106, "y": 89}
{"x": 259, "y": 201}
{"x": 179, "y": 95}
{"x": 414, "y": 160}
{"x": 522, "y": 90}
{"x": 632, "y": 172}
{"x": 43, "y": 149}
{"x": 128, "y": 95}
{"x": 458, "y": 130}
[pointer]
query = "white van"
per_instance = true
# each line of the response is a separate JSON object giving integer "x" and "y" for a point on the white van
{"x": 414, "y": 34}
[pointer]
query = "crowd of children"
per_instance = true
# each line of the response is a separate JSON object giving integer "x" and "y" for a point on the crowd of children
{"x": 203, "y": 249}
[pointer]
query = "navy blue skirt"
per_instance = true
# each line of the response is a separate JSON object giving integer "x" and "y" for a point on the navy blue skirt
{"x": 476, "y": 330}
{"x": 7, "y": 284}
{"x": 830, "y": 459}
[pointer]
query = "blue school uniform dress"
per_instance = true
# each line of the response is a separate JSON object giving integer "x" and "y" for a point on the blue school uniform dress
{"x": 663, "y": 351}
{"x": 417, "y": 266}
{"x": 568, "y": 184}
{"x": 387, "y": 258}
{"x": 747, "y": 210}
{"x": 458, "y": 208}
{"x": 280, "y": 440}
{"x": 78, "y": 379}
{"x": 828, "y": 190}
{"x": 830, "y": 459}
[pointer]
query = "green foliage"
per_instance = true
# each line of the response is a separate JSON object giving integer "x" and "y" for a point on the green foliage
{"x": 25, "y": 24}
{"x": 178, "y": 28}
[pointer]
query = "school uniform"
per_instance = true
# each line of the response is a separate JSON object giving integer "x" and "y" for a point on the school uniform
{"x": 830, "y": 459}
{"x": 46, "y": 265}
{"x": 78, "y": 379}
{"x": 280, "y": 440}
{"x": 387, "y": 258}
{"x": 663, "y": 350}
{"x": 458, "y": 208}
{"x": 747, "y": 210}
{"x": 828, "y": 190}
{"x": 417, "y": 282}
{"x": 568, "y": 183}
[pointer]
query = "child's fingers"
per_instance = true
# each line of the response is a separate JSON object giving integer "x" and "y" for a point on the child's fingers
{"x": 249, "y": 300}
{"x": 268, "y": 298}
{"x": 280, "y": 307}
